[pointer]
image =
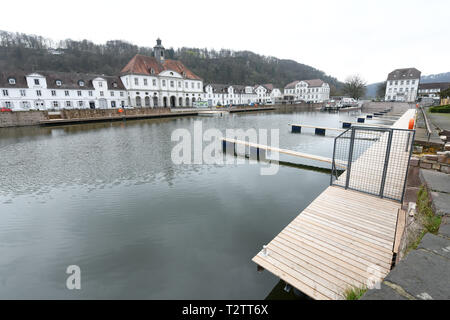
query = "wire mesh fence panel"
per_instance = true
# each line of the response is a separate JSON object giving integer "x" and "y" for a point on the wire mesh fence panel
{"x": 375, "y": 159}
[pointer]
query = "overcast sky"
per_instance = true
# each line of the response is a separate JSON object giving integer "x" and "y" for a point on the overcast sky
{"x": 344, "y": 37}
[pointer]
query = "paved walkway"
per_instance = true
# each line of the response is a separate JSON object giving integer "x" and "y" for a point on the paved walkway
{"x": 438, "y": 184}
{"x": 424, "y": 273}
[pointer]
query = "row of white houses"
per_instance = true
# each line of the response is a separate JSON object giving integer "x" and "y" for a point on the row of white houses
{"x": 143, "y": 82}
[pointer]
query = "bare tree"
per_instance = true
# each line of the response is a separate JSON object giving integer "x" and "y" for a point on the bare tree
{"x": 355, "y": 87}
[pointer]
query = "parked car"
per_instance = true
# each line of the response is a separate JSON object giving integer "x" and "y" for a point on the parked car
{"x": 5, "y": 110}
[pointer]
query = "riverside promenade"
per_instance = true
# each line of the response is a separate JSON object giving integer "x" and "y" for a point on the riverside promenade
{"x": 344, "y": 239}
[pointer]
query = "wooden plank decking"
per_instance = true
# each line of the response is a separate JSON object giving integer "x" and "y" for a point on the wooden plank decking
{"x": 341, "y": 240}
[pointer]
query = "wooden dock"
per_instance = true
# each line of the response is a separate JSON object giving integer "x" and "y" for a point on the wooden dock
{"x": 343, "y": 240}
{"x": 284, "y": 151}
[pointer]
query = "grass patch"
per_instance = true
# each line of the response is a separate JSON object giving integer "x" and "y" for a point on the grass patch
{"x": 430, "y": 221}
{"x": 440, "y": 109}
{"x": 354, "y": 293}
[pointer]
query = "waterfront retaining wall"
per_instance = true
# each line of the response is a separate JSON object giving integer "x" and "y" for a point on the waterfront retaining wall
{"x": 31, "y": 118}
{"x": 21, "y": 118}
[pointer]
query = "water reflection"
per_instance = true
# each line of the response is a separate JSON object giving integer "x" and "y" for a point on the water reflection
{"x": 107, "y": 197}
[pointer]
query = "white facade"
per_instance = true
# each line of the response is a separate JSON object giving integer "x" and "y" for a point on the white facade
{"x": 37, "y": 91}
{"x": 312, "y": 91}
{"x": 224, "y": 95}
{"x": 402, "y": 85}
{"x": 167, "y": 89}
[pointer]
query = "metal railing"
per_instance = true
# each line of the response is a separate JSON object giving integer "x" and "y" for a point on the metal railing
{"x": 427, "y": 124}
{"x": 377, "y": 160}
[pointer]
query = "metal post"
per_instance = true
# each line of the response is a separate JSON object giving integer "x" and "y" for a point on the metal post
{"x": 350, "y": 157}
{"x": 333, "y": 165}
{"x": 386, "y": 163}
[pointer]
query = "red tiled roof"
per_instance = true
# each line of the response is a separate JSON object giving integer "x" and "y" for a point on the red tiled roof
{"x": 143, "y": 65}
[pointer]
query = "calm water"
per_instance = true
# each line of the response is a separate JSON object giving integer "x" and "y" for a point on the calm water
{"x": 108, "y": 198}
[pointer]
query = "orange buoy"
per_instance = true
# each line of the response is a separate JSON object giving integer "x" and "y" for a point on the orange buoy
{"x": 411, "y": 124}
{"x": 120, "y": 110}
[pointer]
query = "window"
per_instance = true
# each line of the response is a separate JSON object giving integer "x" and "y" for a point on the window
{"x": 12, "y": 81}
{"x": 68, "y": 104}
{"x": 154, "y": 82}
{"x": 36, "y": 82}
{"x": 58, "y": 83}
{"x": 396, "y": 82}
{"x": 136, "y": 81}
{"x": 401, "y": 82}
{"x": 198, "y": 85}
{"x": 112, "y": 93}
{"x": 5, "y": 93}
{"x": 407, "y": 81}
{"x": 179, "y": 84}
{"x": 7, "y": 104}
{"x": 80, "y": 103}
{"x": 66, "y": 93}
{"x": 38, "y": 93}
{"x": 101, "y": 93}
{"x": 115, "y": 84}
{"x": 81, "y": 83}
{"x": 152, "y": 71}
{"x": 22, "y": 93}
{"x": 171, "y": 84}
{"x": 55, "y": 104}
{"x": 186, "y": 85}
{"x": 164, "y": 83}
{"x": 79, "y": 93}
{"x": 90, "y": 93}
{"x": 145, "y": 82}
{"x": 192, "y": 85}
{"x": 121, "y": 93}
{"x": 413, "y": 81}
{"x": 100, "y": 84}
{"x": 53, "y": 93}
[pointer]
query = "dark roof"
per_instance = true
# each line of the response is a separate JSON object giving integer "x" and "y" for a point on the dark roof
{"x": 435, "y": 85}
{"x": 21, "y": 81}
{"x": 314, "y": 82}
{"x": 218, "y": 88}
{"x": 292, "y": 84}
{"x": 69, "y": 80}
{"x": 144, "y": 65}
{"x": 268, "y": 86}
{"x": 404, "y": 74}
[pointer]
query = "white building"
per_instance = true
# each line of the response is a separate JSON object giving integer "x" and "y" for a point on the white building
{"x": 58, "y": 90}
{"x": 312, "y": 91}
{"x": 224, "y": 95}
{"x": 402, "y": 85}
{"x": 432, "y": 90}
{"x": 159, "y": 82}
{"x": 143, "y": 82}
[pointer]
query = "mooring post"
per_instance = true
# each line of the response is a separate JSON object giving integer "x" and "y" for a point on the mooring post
{"x": 296, "y": 129}
{"x": 320, "y": 131}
